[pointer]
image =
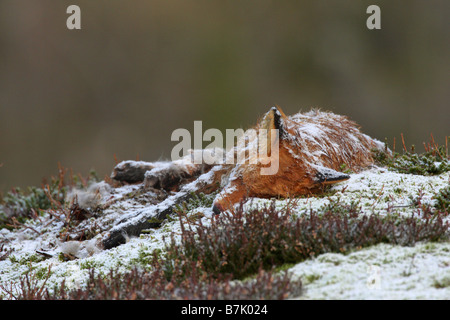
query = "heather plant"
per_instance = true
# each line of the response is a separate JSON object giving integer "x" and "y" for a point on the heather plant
{"x": 137, "y": 284}
{"x": 241, "y": 243}
{"x": 20, "y": 204}
{"x": 154, "y": 285}
{"x": 23, "y": 204}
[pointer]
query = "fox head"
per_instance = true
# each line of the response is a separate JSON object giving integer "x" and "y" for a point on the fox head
{"x": 284, "y": 169}
{"x": 301, "y": 154}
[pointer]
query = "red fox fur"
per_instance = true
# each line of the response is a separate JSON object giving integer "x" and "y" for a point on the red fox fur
{"x": 313, "y": 148}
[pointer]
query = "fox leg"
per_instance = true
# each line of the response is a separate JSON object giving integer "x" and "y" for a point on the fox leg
{"x": 170, "y": 176}
{"x": 132, "y": 171}
{"x": 234, "y": 192}
{"x": 167, "y": 175}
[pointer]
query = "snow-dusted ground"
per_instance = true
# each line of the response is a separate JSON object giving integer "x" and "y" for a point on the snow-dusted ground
{"x": 378, "y": 272}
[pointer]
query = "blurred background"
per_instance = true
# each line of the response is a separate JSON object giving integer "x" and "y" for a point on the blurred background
{"x": 140, "y": 69}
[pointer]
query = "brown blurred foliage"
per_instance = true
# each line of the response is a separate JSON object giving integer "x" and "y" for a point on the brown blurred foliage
{"x": 139, "y": 69}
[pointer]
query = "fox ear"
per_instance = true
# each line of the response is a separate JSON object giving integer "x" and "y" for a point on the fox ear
{"x": 273, "y": 119}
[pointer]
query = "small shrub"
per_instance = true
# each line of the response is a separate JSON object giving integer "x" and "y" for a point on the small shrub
{"x": 241, "y": 243}
{"x": 433, "y": 161}
{"x": 28, "y": 287}
{"x": 22, "y": 204}
{"x": 154, "y": 285}
{"x": 4, "y": 253}
{"x": 137, "y": 285}
{"x": 443, "y": 199}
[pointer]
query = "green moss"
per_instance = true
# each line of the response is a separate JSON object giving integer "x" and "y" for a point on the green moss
{"x": 144, "y": 258}
{"x": 155, "y": 220}
{"x": 432, "y": 162}
{"x": 42, "y": 273}
{"x": 26, "y": 259}
{"x": 283, "y": 267}
{"x": 196, "y": 201}
{"x": 429, "y": 247}
{"x": 345, "y": 169}
{"x": 442, "y": 283}
{"x": 443, "y": 199}
{"x": 89, "y": 264}
{"x": 333, "y": 258}
{"x": 310, "y": 278}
